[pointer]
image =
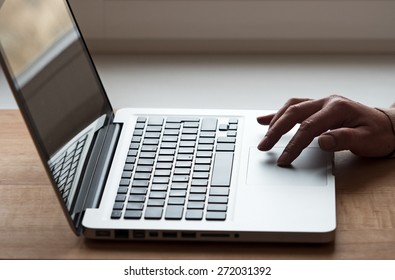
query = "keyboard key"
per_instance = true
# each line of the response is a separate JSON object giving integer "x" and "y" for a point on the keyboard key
{"x": 182, "y": 171}
{"x": 225, "y": 147}
{"x": 127, "y": 174}
{"x": 218, "y": 199}
{"x": 188, "y": 137}
{"x": 216, "y": 216}
{"x": 136, "y": 198}
{"x": 187, "y": 144}
{"x": 194, "y": 215}
{"x": 202, "y": 190}
{"x": 167, "y": 152}
{"x": 149, "y": 148}
{"x": 223, "y": 127}
{"x": 118, "y": 206}
{"x": 116, "y": 214}
{"x": 122, "y": 190}
{"x": 151, "y": 128}
{"x": 209, "y": 124}
{"x": 186, "y": 151}
{"x": 191, "y": 124}
{"x": 199, "y": 182}
{"x": 157, "y": 195}
{"x": 171, "y": 132}
{"x": 183, "y": 164}
{"x": 150, "y": 141}
{"x": 206, "y": 161}
{"x": 195, "y": 205}
{"x": 159, "y": 187}
{"x": 170, "y": 138}
{"x": 144, "y": 169}
{"x": 184, "y": 157}
{"x": 207, "y": 134}
{"x": 231, "y": 133}
{"x": 140, "y": 183}
{"x": 133, "y": 214}
{"x": 155, "y": 121}
{"x": 180, "y": 178}
{"x": 142, "y": 191}
{"x": 172, "y": 126}
{"x": 200, "y": 175}
{"x": 205, "y": 147}
{"x": 154, "y": 213}
{"x": 124, "y": 182}
{"x": 174, "y": 212}
{"x": 145, "y": 161}
{"x": 162, "y": 173}
{"x": 141, "y": 119}
{"x": 168, "y": 145}
{"x": 164, "y": 165}
{"x": 222, "y": 169}
{"x": 176, "y": 201}
{"x": 230, "y": 140}
{"x": 179, "y": 186}
{"x": 142, "y": 176}
{"x": 150, "y": 155}
{"x": 161, "y": 180}
{"x": 165, "y": 158}
{"x": 217, "y": 207}
{"x": 203, "y": 168}
{"x": 153, "y": 135}
{"x": 219, "y": 191}
{"x": 178, "y": 193}
{"x": 233, "y": 121}
{"x": 120, "y": 198}
{"x": 190, "y": 131}
{"x": 209, "y": 141}
{"x": 197, "y": 197}
{"x": 134, "y": 206}
{"x": 156, "y": 202}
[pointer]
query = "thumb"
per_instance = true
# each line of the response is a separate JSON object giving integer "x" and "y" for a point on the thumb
{"x": 338, "y": 139}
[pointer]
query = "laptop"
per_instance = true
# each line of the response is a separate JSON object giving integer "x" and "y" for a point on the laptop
{"x": 153, "y": 173}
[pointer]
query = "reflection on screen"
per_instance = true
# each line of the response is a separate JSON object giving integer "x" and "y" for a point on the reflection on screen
{"x": 53, "y": 79}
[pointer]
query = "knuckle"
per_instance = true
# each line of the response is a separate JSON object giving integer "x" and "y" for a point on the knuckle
{"x": 307, "y": 126}
{"x": 294, "y": 110}
{"x": 294, "y": 100}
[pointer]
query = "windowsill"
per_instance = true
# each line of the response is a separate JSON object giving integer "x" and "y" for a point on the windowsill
{"x": 244, "y": 81}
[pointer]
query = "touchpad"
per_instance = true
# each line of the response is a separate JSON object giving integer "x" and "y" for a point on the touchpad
{"x": 309, "y": 169}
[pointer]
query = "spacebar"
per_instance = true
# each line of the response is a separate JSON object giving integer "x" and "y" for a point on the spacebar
{"x": 222, "y": 170}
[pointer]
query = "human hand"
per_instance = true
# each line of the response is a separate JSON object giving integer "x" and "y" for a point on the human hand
{"x": 340, "y": 124}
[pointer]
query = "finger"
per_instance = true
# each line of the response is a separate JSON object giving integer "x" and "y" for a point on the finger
{"x": 265, "y": 120}
{"x": 293, "y": 115}
{"x": 356, "y": 140}
{"x": 282, "y": 110}
{"x": 312, "y": 127}
{"x": 338, "y": 140}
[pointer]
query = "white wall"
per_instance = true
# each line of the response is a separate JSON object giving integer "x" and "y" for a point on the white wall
{"x": 238, "y": 25}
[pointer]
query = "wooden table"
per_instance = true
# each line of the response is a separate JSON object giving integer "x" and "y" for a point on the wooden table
{"x": 32, "y": 225}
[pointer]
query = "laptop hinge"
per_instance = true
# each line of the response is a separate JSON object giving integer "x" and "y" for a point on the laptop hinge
{"x": 96, "y": 171}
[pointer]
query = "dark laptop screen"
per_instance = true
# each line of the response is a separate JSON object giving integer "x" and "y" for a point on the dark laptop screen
{"x": 53, "y": 78}
{"x": 58, "y": 91}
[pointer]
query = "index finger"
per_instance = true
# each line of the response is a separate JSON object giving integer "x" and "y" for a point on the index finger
{"x": 293, "y": 115}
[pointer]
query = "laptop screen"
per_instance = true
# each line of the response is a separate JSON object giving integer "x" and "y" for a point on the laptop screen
{"x": 53, "y": 78}
{"x": 57, "y": 89}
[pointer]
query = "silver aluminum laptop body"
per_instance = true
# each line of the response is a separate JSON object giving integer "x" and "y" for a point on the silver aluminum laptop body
{"x": 99, "y": 161}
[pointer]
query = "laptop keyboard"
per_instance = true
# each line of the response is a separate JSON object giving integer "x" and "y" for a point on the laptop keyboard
{"x": 177, "y": 168}
{"x": 64, "y": 169}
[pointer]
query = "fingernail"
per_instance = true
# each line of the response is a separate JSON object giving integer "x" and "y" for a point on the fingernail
{"x": 263, "y": 144}
{"x": 327, "y": 142}
{"x": 284, "y": 159}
